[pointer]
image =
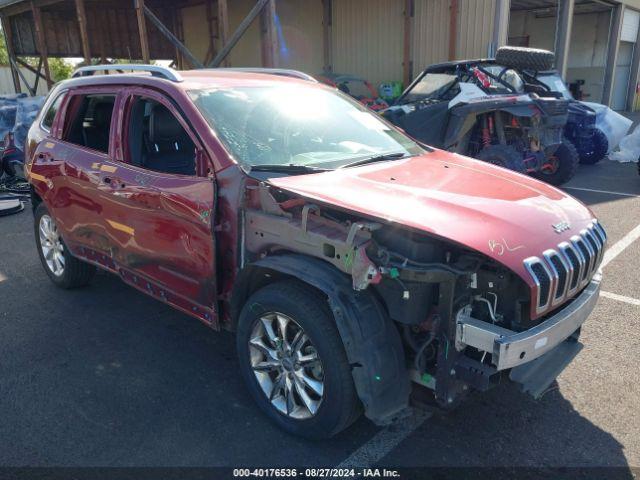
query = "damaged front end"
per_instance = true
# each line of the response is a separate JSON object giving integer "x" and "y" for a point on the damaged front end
{"x": 412, "y": 308}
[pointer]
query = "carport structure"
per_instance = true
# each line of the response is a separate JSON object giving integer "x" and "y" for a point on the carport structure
{"x": 119, "y": 29}
{"x": 381, "y": 40}
{"x": 594, "y": 41}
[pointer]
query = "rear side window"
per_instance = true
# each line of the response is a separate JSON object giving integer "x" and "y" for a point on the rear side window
{"x": 88, "y": 121}
{"x": 49, "y": 117}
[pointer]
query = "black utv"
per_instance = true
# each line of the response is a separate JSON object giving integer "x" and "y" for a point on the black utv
{"x": 483, "y": 109}
{"x": 590, "y": 142}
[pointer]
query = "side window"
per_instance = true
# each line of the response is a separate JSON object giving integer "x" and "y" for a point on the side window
{"x": 156, "y": 139}
{"x": 88, "y": 121}
{"x": 49, "y": 117}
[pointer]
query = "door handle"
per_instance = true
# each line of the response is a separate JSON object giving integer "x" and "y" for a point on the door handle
{"x": 113, "y": 182}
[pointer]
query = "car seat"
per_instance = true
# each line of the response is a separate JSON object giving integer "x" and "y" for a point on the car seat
{"x": 170, "y": 147}
{"x": 97, "y": 134}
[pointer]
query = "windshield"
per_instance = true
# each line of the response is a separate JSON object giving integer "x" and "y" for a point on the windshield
{"x": 555, "y": 84}
{"x": 434, "y": 85}
{"x": 298, "y": 126}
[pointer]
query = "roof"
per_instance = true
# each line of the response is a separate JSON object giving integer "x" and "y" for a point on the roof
{"x": 192, "y": 79}
{"x": 439, "y": 67}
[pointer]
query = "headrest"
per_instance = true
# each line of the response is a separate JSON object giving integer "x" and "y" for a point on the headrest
{"x": 102, "y": 113}
{"x": 163, "y": 126}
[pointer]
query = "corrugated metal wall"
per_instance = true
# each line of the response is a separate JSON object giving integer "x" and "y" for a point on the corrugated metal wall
{"x": 368, "y": 38}
{"x": 430, "y": 33}
{"x": 301, "y": 23}
{"x": 367, "y": 35}
{"x": 475, "y": 28}
{"x": 300, "y": 34}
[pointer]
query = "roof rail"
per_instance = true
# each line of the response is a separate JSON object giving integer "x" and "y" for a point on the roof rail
{"x": 155, "y": 70}
{"x": 285, "y": 72}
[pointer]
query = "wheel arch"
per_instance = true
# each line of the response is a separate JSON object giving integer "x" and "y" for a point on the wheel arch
{"x": 371, "y": 340}
{"x": 35, "y": 198}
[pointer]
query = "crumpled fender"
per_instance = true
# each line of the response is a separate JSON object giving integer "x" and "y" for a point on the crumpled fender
{"x": 370, "y": 338}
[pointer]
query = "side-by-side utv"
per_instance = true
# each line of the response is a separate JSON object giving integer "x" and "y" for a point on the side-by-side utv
{"x": 483, "y": 109}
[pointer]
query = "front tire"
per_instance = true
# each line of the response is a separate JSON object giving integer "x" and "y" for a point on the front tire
{"x": 561, "y": 165}
{"x": 598, "y": 150}
{"x": 64, "y": 270}
{"x": 293, "y": 361}
{"x": 504, "y": 156}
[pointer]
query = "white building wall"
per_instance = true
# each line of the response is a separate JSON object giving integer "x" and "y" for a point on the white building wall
{"x": 6, "y": 82}
{"x": 588, "y": 46}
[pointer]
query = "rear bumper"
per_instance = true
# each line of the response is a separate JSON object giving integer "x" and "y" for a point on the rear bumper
{"x": 510, "y": 349}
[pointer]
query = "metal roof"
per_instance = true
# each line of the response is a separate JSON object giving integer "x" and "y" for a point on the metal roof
{"x": 539, "y": 6}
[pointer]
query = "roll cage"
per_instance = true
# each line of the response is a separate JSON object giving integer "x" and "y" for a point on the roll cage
{"x": 473, "y": 71}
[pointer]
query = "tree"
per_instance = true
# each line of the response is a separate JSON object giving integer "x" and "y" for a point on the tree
{"x": 4, "y": 56}
{"x": 61, "y": 69}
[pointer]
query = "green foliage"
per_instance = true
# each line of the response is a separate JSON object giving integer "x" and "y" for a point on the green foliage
{"x": 60, "y": 69}
{"x": 4, "y": 57}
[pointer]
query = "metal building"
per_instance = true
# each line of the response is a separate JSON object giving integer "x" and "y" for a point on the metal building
{"x": 381, "y": 40}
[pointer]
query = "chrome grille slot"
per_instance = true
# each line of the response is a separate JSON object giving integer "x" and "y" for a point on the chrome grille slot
{"x": 543, "y": 279}
{"x": 586, "y": 253}
{"x": 576, "y": 267}
{"x": 597, "y": 245}
{"x": 561, "y": 272}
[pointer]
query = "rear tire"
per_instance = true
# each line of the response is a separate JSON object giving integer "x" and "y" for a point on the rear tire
{"x": 522, "y": 58}
{"x": 266, "y": 370}
{"x": 503, "y": 156}
{"x": 566, "y": 164}
{"x": 599, "y": 149}
{"x": 64, "y": 270}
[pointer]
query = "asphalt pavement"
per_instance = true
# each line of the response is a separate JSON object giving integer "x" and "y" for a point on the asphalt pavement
{"x": 105, "y": 376}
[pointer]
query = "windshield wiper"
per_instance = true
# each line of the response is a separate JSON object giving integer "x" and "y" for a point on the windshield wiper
{"x": 291, "y": 168}
{"x": 376, "y": 158}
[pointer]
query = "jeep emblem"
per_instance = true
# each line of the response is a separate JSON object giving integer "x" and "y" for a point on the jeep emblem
{"x": 561, "y": 227}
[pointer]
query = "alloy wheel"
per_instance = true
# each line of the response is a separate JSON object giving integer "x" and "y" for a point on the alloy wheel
{"x": 286, "y": 365}
{"x": 51, "y": 245}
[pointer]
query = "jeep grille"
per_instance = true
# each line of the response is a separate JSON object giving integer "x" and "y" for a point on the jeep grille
{"x": 559, "y": 273}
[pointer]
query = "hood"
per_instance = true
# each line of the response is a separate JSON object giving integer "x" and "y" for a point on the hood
{"x": 504, "y": 215}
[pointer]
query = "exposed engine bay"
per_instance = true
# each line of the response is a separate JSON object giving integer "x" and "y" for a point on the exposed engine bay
{"x": 424, "y": 283}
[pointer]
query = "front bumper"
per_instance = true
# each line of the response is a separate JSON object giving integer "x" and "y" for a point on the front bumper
{"x": 510, "y": 349}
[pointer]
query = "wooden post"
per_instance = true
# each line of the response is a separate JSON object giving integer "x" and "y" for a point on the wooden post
{"x": 38, "y": 75}
{"x": 327, "y": 9}
{"x": 223, "y": 26}
{"x": 407, "y": 63}
{"x": 453, "y": 29}
{"x": 255, "y": 11}
{"x": 42, "y": 45}
{"x": 269, "y": 35}
{"x": 84, "y": 36}
{"x": 24, "y": 80}
{"x": 177, "y": 28}
{"x": 211, "y": 28}
{"x": 8, "y": 40}
{"x": 142, "y": 30}
{"x": 172, "y": 38}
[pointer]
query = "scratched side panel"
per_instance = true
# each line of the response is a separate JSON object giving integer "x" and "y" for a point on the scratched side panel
{"x": 159, "y": 227}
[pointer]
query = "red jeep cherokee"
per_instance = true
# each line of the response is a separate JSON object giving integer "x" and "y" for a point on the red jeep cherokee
{"x": 355, "y": 265}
